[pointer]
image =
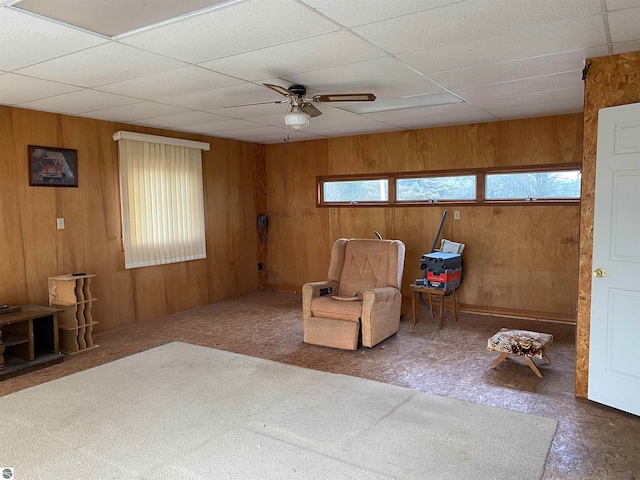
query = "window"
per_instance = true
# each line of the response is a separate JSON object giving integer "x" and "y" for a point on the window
{"x": 356, "y": 191}
{"x": 436, "y": 189}
{"x": 533, "y": 185}
{"x": 162, "y": 199}
{"x": 519, "y": 185}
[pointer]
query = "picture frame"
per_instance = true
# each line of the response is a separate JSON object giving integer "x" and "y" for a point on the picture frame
{"x": 52, "y": 167}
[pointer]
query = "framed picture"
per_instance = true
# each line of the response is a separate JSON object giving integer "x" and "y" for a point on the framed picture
{"x": 52, "y": 167}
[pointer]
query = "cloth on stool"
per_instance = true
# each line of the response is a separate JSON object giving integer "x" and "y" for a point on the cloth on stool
{"x": 520, "y": 342}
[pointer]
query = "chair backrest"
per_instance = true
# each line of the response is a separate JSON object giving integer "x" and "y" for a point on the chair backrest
{"x": 362, "y": 264}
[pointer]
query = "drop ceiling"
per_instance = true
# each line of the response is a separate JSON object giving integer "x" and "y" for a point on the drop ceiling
{"x": 179, "y": 65}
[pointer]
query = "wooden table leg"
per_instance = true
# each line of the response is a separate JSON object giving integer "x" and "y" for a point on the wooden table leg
{"x": 532, "y": 365}
{"x": 441, "y": 310}
{"x": 430, "y": 305}
{"x": 413, "y": 304}
{"x": 2, "y": 365}
{"x": 499, "y": 360}
{"x": 455, "y": 308}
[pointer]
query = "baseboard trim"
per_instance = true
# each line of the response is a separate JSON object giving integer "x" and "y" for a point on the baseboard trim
{"x": 519, "y": 314}
{"x": 287, "y": 289}
{"x": 549, "y": 317}
{"x": 481, "y": 309}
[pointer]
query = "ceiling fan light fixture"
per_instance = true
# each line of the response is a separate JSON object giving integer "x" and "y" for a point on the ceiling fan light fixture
{"x": 297, "y": 118}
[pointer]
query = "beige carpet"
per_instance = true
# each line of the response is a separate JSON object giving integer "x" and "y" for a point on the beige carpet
{"x": 181, "y": 411}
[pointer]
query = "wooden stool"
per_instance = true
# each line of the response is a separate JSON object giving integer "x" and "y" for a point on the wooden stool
{"x": 521, "y": 342}
{"x": 417, "y": 289}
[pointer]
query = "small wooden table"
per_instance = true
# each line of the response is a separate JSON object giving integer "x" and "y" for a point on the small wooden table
{"x": 417, "y": 289}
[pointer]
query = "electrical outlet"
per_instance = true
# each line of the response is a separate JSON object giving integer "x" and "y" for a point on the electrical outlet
{"x": 456, "y": 214}
{"x": 60, "y": 223}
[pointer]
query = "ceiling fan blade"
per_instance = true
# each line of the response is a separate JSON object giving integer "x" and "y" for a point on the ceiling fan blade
{"x": 311, "y": 110}
{"x": 257, "y": 103}
{"x": 345, "y": 97}
{"x": 279, "y": 89}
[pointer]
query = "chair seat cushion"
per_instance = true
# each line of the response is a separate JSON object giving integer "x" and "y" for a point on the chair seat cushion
{"x": 328, "y": 307}
{"x": 520, "y": 342}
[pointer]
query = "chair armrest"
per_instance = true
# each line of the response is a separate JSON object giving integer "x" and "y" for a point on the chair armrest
{"x": 312, "y": 290}
{"x": 380, "y": 314}
{"x": 381, "y": 295}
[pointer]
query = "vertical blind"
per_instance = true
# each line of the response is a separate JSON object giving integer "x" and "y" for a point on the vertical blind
{"x": 162, "y": 202}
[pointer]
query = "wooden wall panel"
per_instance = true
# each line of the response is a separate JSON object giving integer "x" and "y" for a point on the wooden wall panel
{"x": 518, "y": 257}
{"x": 31, "y": 249}
{"x": 260, "y": 181}
{"x": 611, "y": 81}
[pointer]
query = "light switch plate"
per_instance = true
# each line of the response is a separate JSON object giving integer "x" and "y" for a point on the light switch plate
{"x": 456, "y": 214}
{"x": 60, "y": 223}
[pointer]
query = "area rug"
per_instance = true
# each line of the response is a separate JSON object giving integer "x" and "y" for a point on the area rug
{"x": 182, "y": 411}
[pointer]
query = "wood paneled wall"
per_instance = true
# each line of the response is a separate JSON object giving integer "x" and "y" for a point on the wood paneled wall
{"x": 611, "y": 81}
{"x": 31, "y": 249}
{"x": 522, "y": 258}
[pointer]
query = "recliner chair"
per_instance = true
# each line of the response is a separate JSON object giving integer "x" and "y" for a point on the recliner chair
{"x": 369, "y": 271}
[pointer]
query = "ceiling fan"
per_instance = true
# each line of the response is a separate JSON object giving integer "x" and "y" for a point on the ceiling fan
{"x": 301, "y": 109}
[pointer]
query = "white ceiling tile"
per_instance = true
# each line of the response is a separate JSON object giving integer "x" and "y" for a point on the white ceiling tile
{"x": 27, "y": 39}
{"x": 240, "y": 27}
{"x": 429, "y": 121}
{"x": 227, "y": 125}
{"x": 470, "y": 20}
{"x": 517, "y": 69}
{"x": 559, "y": 37}
{"x": 625, "y": 25}
{"x": 114, "y": 17}
{"x": 299, "y": 135}
{"x": 330, "y": 118}
{"x": 224, "y": 97}
{"x": 137, "y": 111}
{"x": 413, "y": 86}
{"x": 347, "y": 130}
{"x": 170, "y": 83}
{"x": 335, "y": 118}
{"x": 510, "y": 58}
{"x": 421, "y": 112}
{"x": 618, "y": 4}
{"x": 81, "y": 101}
{"x": 384, "y": 77}
{"x": 543, "y": 110}
{"x": 182, "y": 120}
{"x": 522, "y": 87}
{"x": 359, "y": 12}
{"x": 290, "y": 136}
{"x": 248, "y": 133}
{"x": 16, "y": 89}
{"x": 574, "y": 95}
{"x": 252, "y": 111}
{"x": 275, "y": 119}
{"x": 281, "y": 60}
{"x": 624, "y": 47}
{"x": 431, "y": 99}
{"x": 101, "y": 65}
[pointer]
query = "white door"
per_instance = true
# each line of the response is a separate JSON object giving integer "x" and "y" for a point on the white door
{"x": 614, "y": 352}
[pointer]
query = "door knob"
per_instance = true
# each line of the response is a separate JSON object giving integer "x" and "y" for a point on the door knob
{"x": 599, "y": 273}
